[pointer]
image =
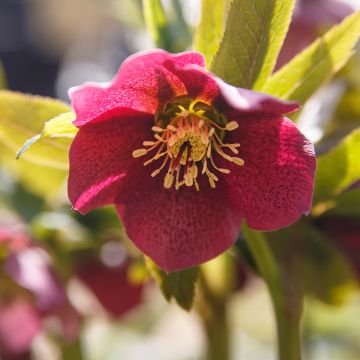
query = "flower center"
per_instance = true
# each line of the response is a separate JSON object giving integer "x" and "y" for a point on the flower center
{"x": 187, "y": 135}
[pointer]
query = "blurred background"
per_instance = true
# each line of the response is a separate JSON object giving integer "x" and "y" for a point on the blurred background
{"x": 74, "y": 287}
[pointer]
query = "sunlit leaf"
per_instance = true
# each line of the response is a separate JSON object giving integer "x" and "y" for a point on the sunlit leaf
{"x": 156, "y": 22}
{"x": 59, "y": 127}
{"x": 22, "y": 117}
{"x": 210, "y": 29}
{"x": 254, "y": 33}
{"x": 166, "y": 25}
{"x": 178, "y": 285}
{"x": 338, "y": 168}
{"x": 303, "y": 75}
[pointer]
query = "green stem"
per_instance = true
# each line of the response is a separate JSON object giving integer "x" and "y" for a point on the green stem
{"x": 287, "y": 303}
{"x": 217, "y": 333}
{"x": 288, "y": 330}
{"x": 212, "y": 308}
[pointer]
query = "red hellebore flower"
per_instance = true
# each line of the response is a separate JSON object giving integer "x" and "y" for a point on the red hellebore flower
{"x": 162, "y": 142}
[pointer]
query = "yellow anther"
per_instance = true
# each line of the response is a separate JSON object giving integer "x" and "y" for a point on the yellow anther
{"x": 168, "y": 180}
{"x": 213, "y": 176}
{"x": 158, "y": 137}
{"x": 172, "y": 128}
{"x": 157, "y": 129}
{"x": 194, "y": 171}
{"x": 139, "y": 152}
{"x": 154, "y": 173}
{"x": 232, "y": 125}
{"x": 189, "y": 179}
{"x": 238, "y": 161}
{"x": 148, "y": 143}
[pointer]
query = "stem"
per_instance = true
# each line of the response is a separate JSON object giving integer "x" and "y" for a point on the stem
{"x": 215, "y": 283}
{"x": 288, "y": 330}
{"x": 287, "y": 302}
{"x": 217, "y": 333}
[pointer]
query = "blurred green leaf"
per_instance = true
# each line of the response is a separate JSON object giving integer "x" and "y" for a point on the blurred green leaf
{"x": 179, "y": 285}
{"x": 346, "y": 204}
{"x": 22, "y": 117}
{"x": 303, "y": 75}
{"x": 338, "y": 169}
{"x": 253, "y": 36}
{"x": 168, "y": 29}
{"x": 327, "y": 273}
{"x": 210, "y": 29}
{"x": 306, "y": 262}
{"x": 156, "y": 22}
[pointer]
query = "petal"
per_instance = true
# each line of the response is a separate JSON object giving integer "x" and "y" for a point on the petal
{"x": 179, "y": 229}
{"x": 143, "y": 80}
{"x": 228, "y": 99}
{"x": 199, "y": 83}
{"x": 101, "y": 157}
{"x": 237, "y": 101}
{"x": 275, "y": 185}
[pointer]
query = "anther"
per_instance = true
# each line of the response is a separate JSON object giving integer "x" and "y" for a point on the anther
{"x": 139, "y": 152}
{"x": 168, "y": 180}
{"x": 172, "y": 128}
{"x": 238, "y": 161}
{"x": 157, "y": 129}
{"x": 232, "y": 125}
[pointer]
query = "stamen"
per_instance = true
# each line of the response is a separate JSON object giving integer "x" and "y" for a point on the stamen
{"x": 172, "y": 128}
{"x": 187, "y": 141}
{"x": 168, "y": 180}
{"x": 238, "y": 161}
{"x": 157, "y": 129}
{"x": 139, "y": 152}
{"x": 232, "y": 125}
{"x": 158, "y": 137}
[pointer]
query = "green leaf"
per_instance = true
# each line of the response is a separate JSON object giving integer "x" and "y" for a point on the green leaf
{"x": 346, "y": 204}
{"x": 210, "y": 29}
{"x": 252, "y": 40}
{"x": 59, "y": 127}
{"x": 309, "y": 262}
{"x": 338, "y": 169}
{"x": 156, "y": 22}
{"x": 303, "y": 75}
{"x": 327, "y": 273}
{"x": 168, "y": 29}
{"x": 22, "y": 117}
{"x": 179, "y": 285}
